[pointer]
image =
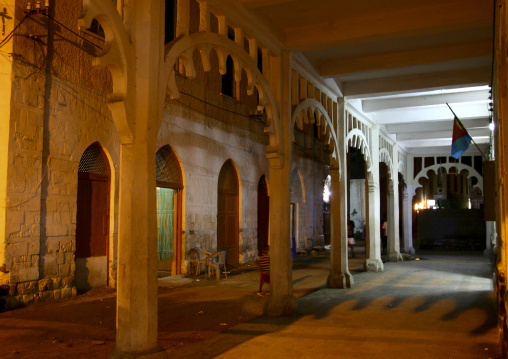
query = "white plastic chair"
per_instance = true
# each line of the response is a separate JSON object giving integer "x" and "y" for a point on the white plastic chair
{"x": 214, "y": 262}
{"x": 202, "y": 257}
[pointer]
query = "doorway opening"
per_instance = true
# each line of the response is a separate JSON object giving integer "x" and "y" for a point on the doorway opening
{"x": 169, "y": 212}
{"x": 228, "y": 213}
{"x": 263, "y": 214}
{"x": 92, "y": 219}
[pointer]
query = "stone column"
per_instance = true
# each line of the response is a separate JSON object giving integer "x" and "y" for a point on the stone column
{"x": 407, "y": 218}
{"x": 137, "y": 113}
{"x": 393, "y": 244}
{"x": 281, "y": 300}
{"x": 339, "y": 276}
{"x": 373, "y": 262}
{"x": 136, "y": 334}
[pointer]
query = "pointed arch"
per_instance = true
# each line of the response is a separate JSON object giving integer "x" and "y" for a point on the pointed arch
{"x": 356, "y": 139}
{"x": 205, "y": 42}
{"x": 228, "y": 212}
{"x": 92, "y": 219}
{"x": 315, "y": 109}
{"x": 384, "y": 157}
{"x": 170, "y": 187}
{"x": 118, "y": 56}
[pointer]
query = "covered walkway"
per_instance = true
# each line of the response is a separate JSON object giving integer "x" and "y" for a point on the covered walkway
{"x": 439, "y": 307}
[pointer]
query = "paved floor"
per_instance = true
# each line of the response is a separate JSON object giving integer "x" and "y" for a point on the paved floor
{"x": 441, "y": 306}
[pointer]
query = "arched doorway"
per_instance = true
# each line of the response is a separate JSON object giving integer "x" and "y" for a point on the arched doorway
{"x": 169, "y": 211}
{"x": 263, "y": 213}
{"x": 227, "y": 212}
{"x": 92, "y": 219}
{"x": 357, "y": 192}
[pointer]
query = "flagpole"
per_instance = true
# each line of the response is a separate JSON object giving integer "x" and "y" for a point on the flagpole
{"x": 464, "y": 127}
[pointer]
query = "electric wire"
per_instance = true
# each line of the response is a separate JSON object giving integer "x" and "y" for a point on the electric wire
{"x": 75, "y": 33}
{"x": 10, "y": 34}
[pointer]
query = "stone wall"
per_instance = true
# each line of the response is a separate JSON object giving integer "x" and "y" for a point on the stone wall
{"x": 56, "y": 113}
{"x": 59, "y": 108}
{"x": 311, "y": 211}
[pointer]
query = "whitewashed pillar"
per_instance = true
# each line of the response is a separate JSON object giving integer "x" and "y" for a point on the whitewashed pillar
{"x": 407, "y": 218}
{"x": 339, "y": 276}
{"x": 373, "y": 262}
{"x": 393, "y": 244}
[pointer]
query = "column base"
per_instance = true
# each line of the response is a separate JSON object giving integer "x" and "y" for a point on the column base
{"x": 395, "y": 257}
{"x": 410, "y": 251}
{"x": 341, "y": 280}
{"x": 374, "y": 265}
{"x": 280, "y": 306}
{"x": 157, "y": 353}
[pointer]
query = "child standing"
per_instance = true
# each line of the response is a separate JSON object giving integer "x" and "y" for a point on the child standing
{"x": 264, "y": 267}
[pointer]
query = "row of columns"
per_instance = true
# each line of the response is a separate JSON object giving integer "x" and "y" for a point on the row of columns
{"x": 137, "y": 280}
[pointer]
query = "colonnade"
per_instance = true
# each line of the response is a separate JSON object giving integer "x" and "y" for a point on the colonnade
{"x": 136, "y": 58}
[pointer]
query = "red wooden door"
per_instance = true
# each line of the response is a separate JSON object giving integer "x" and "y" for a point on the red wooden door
{"x": 92, "y": 216}
{"x": 227, "y": 226}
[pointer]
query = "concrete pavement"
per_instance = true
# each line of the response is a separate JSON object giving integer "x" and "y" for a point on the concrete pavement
{"x": 441, "y": 306}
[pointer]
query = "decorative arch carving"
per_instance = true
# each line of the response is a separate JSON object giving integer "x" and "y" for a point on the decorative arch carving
{"x": 309, "y": 109}
{"x": 402, "y": 168}
{"x": 384, "y": 156}
{"x": 356, "y": 139}
{"x": 118, "y": 56}
{"x": 459, "y": 167}
{"x": 204, "y": 42}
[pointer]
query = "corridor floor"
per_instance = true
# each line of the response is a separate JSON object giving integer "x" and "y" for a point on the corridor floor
{"x": 441, "y": 306}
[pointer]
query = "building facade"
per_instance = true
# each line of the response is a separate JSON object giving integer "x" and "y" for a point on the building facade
{"x": 135, "y": 131}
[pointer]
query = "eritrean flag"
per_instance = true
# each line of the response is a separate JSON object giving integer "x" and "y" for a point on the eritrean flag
{"x": 461, "y": 139}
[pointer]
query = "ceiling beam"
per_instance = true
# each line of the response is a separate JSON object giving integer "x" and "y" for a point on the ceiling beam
{"x": 440, "y": 142}
{"x": 428, "y": 81}
{"x": 445, "y": 150}
{"x": 351, "y": 65}
{"x": 252, "y": 4}
{"x": 372, "y": 105}
{"x": 391, "y": 23}
{"x": 443, "y": 125}
{"x": 475, "y": 133}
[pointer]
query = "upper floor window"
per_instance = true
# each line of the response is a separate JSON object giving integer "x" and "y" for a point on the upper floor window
{"x": 170, "y": 21}
{"x": 228, "y": 79}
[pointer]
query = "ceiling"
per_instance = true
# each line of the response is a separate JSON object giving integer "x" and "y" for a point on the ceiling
{"x": 398, "y": 61}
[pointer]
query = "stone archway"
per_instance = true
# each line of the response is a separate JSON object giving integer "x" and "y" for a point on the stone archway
{"x": 92, "y": 219}
{"x": 228, "y": 212}
{"x": 169, "y": 211}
